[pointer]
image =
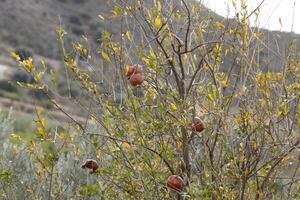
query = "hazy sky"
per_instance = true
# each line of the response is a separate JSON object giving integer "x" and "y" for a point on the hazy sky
{"x": 270, "y": 13}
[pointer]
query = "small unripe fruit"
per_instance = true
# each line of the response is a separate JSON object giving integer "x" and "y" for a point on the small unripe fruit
{"x": 90, "y": 164}
{"x": 175, "y": 183}
{"x": 197, "y": 125}
{"x": 136, "y": 80}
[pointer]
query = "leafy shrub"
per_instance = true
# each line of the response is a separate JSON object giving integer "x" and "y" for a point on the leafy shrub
{"x": 249, "y": 116}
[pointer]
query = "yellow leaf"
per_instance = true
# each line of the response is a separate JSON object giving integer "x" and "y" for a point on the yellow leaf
{"x": 15, "y": 136}
{"x": 173, "y": 107}
{"x": 15, "y": 56}
{"x": 126, "y": 145}
{"x": 158, "y": 6}
{"x": 77, "y": 127}
{"x": 105, "y": 56}
{"x": 157, "y": 22}
{"x": 27, "y": 65}
{"x": 114, "y": 15}
{"x": 262, "y": 103}
{"x": 43, "y": 122}
{"x": 260, "y": 79}
{"x": 152, "y": 54}
{"x": 268, "y": 75}
{"x": 219, "y": 25}
{"x": 254, "y": 146}
{"x": 211, "y": 96}
{"x": 234, "y": 3}
{"x": 224, "y": 82}
{"x": 141, "y": 141}
{"x": 178, "y": 146}
{"x": 39, "y": 112}
{"x": 128, "y": 36}
{"x": 40, "y": 131}
{"x": 29, "y": 85}
{"x": 84, "y": 37}
{"x": 38, "y": 76}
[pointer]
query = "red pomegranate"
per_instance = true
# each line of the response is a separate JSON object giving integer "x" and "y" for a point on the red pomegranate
{"x": 137, "y": 69}
{"x": 136, "y": 80}
{"x": 197, "y": 125}
{"x": 175, "y": 183}
{"x": 90, "y": 164}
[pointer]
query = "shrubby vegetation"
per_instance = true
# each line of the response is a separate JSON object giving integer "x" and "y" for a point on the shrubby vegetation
{"x": 192, "y": 66}
{"x": 24, "y": 167}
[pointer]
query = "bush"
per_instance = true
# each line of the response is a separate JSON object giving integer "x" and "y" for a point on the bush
{"x": 229, "y": 134}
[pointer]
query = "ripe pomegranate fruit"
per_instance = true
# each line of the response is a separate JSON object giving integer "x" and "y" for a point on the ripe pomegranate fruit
{"x": 137, "y": 69}
{"x": 136, "y": 80}
{"x": 90, "y": 164}
{"x": 197, "y": 125}
{"x": 175, "y": 183}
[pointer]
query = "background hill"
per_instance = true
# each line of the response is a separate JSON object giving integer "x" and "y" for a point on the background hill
{"x": 31, "y": 24}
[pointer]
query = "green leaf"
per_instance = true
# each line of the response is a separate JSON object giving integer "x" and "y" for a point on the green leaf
{"x": 152, "y": 54}
{"x": 53, "y": 77}
{"x": 118, "y": 10}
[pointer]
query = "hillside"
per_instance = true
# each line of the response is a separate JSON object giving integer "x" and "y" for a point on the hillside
{"x": 31, "y": 24}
